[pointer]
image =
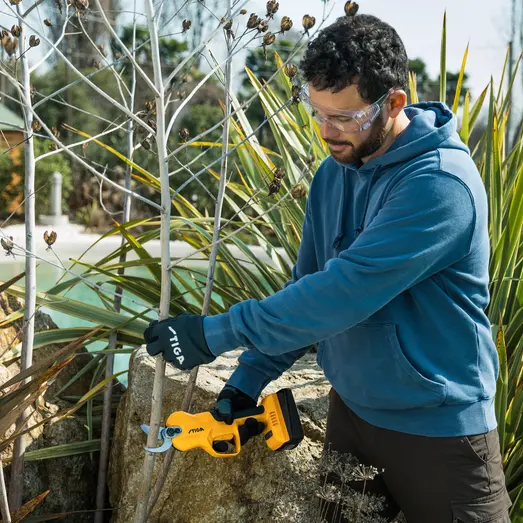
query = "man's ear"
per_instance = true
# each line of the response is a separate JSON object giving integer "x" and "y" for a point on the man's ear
{"x": 397, "y": 102}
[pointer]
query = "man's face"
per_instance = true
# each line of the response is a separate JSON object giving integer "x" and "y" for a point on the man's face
{"x": 348, "y": 147}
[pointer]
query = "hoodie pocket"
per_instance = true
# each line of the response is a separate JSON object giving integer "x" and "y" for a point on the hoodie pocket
{"x": 367, "y": 365}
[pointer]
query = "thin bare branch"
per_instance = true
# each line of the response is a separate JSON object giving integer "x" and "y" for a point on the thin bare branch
{"x": 126, "y": 51}
{"x": 212, "y": 259}
{"x": 159, "y": 373}
{"x": 202, "y": 45}
{"x": 4, "y": 504}
{"x": 109, "y": 368}
{"x": 85, "y": 79}
{"x": 16, "y": 485}
{"x": 193, "y": 92}
{"x": 60, "y": 38}
{"x": 113, "y": 70}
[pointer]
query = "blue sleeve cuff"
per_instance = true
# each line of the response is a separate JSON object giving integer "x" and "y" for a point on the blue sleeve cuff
{"x": 249, "y": 380}
{"x": 218, "y": 333}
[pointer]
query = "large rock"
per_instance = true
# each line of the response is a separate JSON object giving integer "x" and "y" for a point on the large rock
{"x": 203, "y": 489}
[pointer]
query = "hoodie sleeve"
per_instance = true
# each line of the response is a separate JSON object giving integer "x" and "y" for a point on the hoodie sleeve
{"x": 255, "y": 368}
{"x": 425, "y": 225}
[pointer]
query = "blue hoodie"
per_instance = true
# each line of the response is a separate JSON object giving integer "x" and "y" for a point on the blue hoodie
{"x": 391, "y": 280}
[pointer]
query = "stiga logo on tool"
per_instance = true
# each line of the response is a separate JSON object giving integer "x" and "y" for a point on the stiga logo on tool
{"x": 199, "y": 429}
{"x": 176, "y": 346}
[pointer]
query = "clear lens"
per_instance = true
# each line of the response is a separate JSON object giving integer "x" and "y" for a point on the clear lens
{"x": 344, "y": 123}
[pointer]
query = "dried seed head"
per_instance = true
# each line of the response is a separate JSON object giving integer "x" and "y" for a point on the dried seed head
{"x": 48, "y": 22}
{"x": 264, "y": 26}
{"x": 279, "y": 173}
{"x": 286, "y": 24}
{"x": 7, "y": 244}
{"x": 4, "y": 34}
{"x": 146, "y": 144}
{"x": 55, "y": 131}
{"x": 10, "y": 45}
{"x": 269, "y": 39}
{"x": 16, "y": 31}
{"x": 34, "y": 41}
{"x": 181, "y": 94}
{"x": 296, "y": 92}
{"x": 14, "y": 2}
{"x": 298, "y": 191}
{"x": 274, "y": 186}
{"x": 101, "y": 48}
{"x": 186, "y": 25}
{"x": 81, "y": 5}
{"x": 35, "y": 125}
{"x": 291, "y": 70}
{"x": 351, "y": 8}
{"x": 243, "y": 12}
{"x": 228, "y": 25}
{"x": 309, "y": 160}
{"x": 149, "y": 106}
{"x": 308, "y": 22}
{"x": 272, "y": 7}
{"x": 59, "y": 5}
{"x": 32, "y": 90}
{"x": 183, "y": 133}
{"x": 50, "y": 238}
{"x": 253, "y": 21}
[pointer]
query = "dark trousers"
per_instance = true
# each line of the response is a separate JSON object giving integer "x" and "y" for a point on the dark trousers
{"x": 430, "y": 479}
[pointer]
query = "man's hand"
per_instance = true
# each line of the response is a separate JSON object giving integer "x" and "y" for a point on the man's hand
{"x": 232, "y": 400}
{"x": 181, "y": 340}
{"x": 229, "y": 401}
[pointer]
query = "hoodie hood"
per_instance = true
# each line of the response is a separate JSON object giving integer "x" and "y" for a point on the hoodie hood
{"x": 432, "y": 126}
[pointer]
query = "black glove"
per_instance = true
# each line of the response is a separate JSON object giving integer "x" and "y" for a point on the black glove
{"x": 181, "y": 340}
{"x": 229, "y": 402}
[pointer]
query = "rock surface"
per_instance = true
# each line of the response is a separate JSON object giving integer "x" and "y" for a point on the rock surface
{"x": 257, "y": 486}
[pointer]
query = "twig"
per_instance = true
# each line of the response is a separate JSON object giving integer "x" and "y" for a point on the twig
{"x": 199, "y": 48}
{"x": 4, "y": 504}
{"x": 61, "y": 37}
{"x": 109, "y": 369}
{"x": 191, "y": 383}
{"x": 163, "y": 165}
{"x": 126, "y": 51}
{"x": 85, "y": 79}
{"x": 17, "y": 467}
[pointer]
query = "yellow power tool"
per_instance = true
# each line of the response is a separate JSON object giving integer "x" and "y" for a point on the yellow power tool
{"x": 277, "y": 412}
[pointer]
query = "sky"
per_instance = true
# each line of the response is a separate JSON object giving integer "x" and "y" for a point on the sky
{"x": 483, "y": 23}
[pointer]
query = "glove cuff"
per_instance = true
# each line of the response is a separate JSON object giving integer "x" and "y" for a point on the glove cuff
{"x": 248, "y": 380}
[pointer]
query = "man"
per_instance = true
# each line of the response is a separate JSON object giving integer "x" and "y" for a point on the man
{"x": 391, "y": 280}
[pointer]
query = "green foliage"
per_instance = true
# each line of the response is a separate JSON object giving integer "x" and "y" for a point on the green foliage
{"x": 12, "y": 176}
{"x": 263, "y": 67}
{"x": 428, "y": 88}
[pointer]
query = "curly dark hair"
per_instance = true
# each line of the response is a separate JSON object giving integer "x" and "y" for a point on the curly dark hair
{"x": 360, "y": 50}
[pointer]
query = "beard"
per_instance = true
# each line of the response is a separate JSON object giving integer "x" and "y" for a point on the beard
{"x": 375, "y": 140}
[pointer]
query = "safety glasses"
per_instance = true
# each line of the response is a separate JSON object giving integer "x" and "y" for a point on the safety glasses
{"x": 345, "y": 122}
